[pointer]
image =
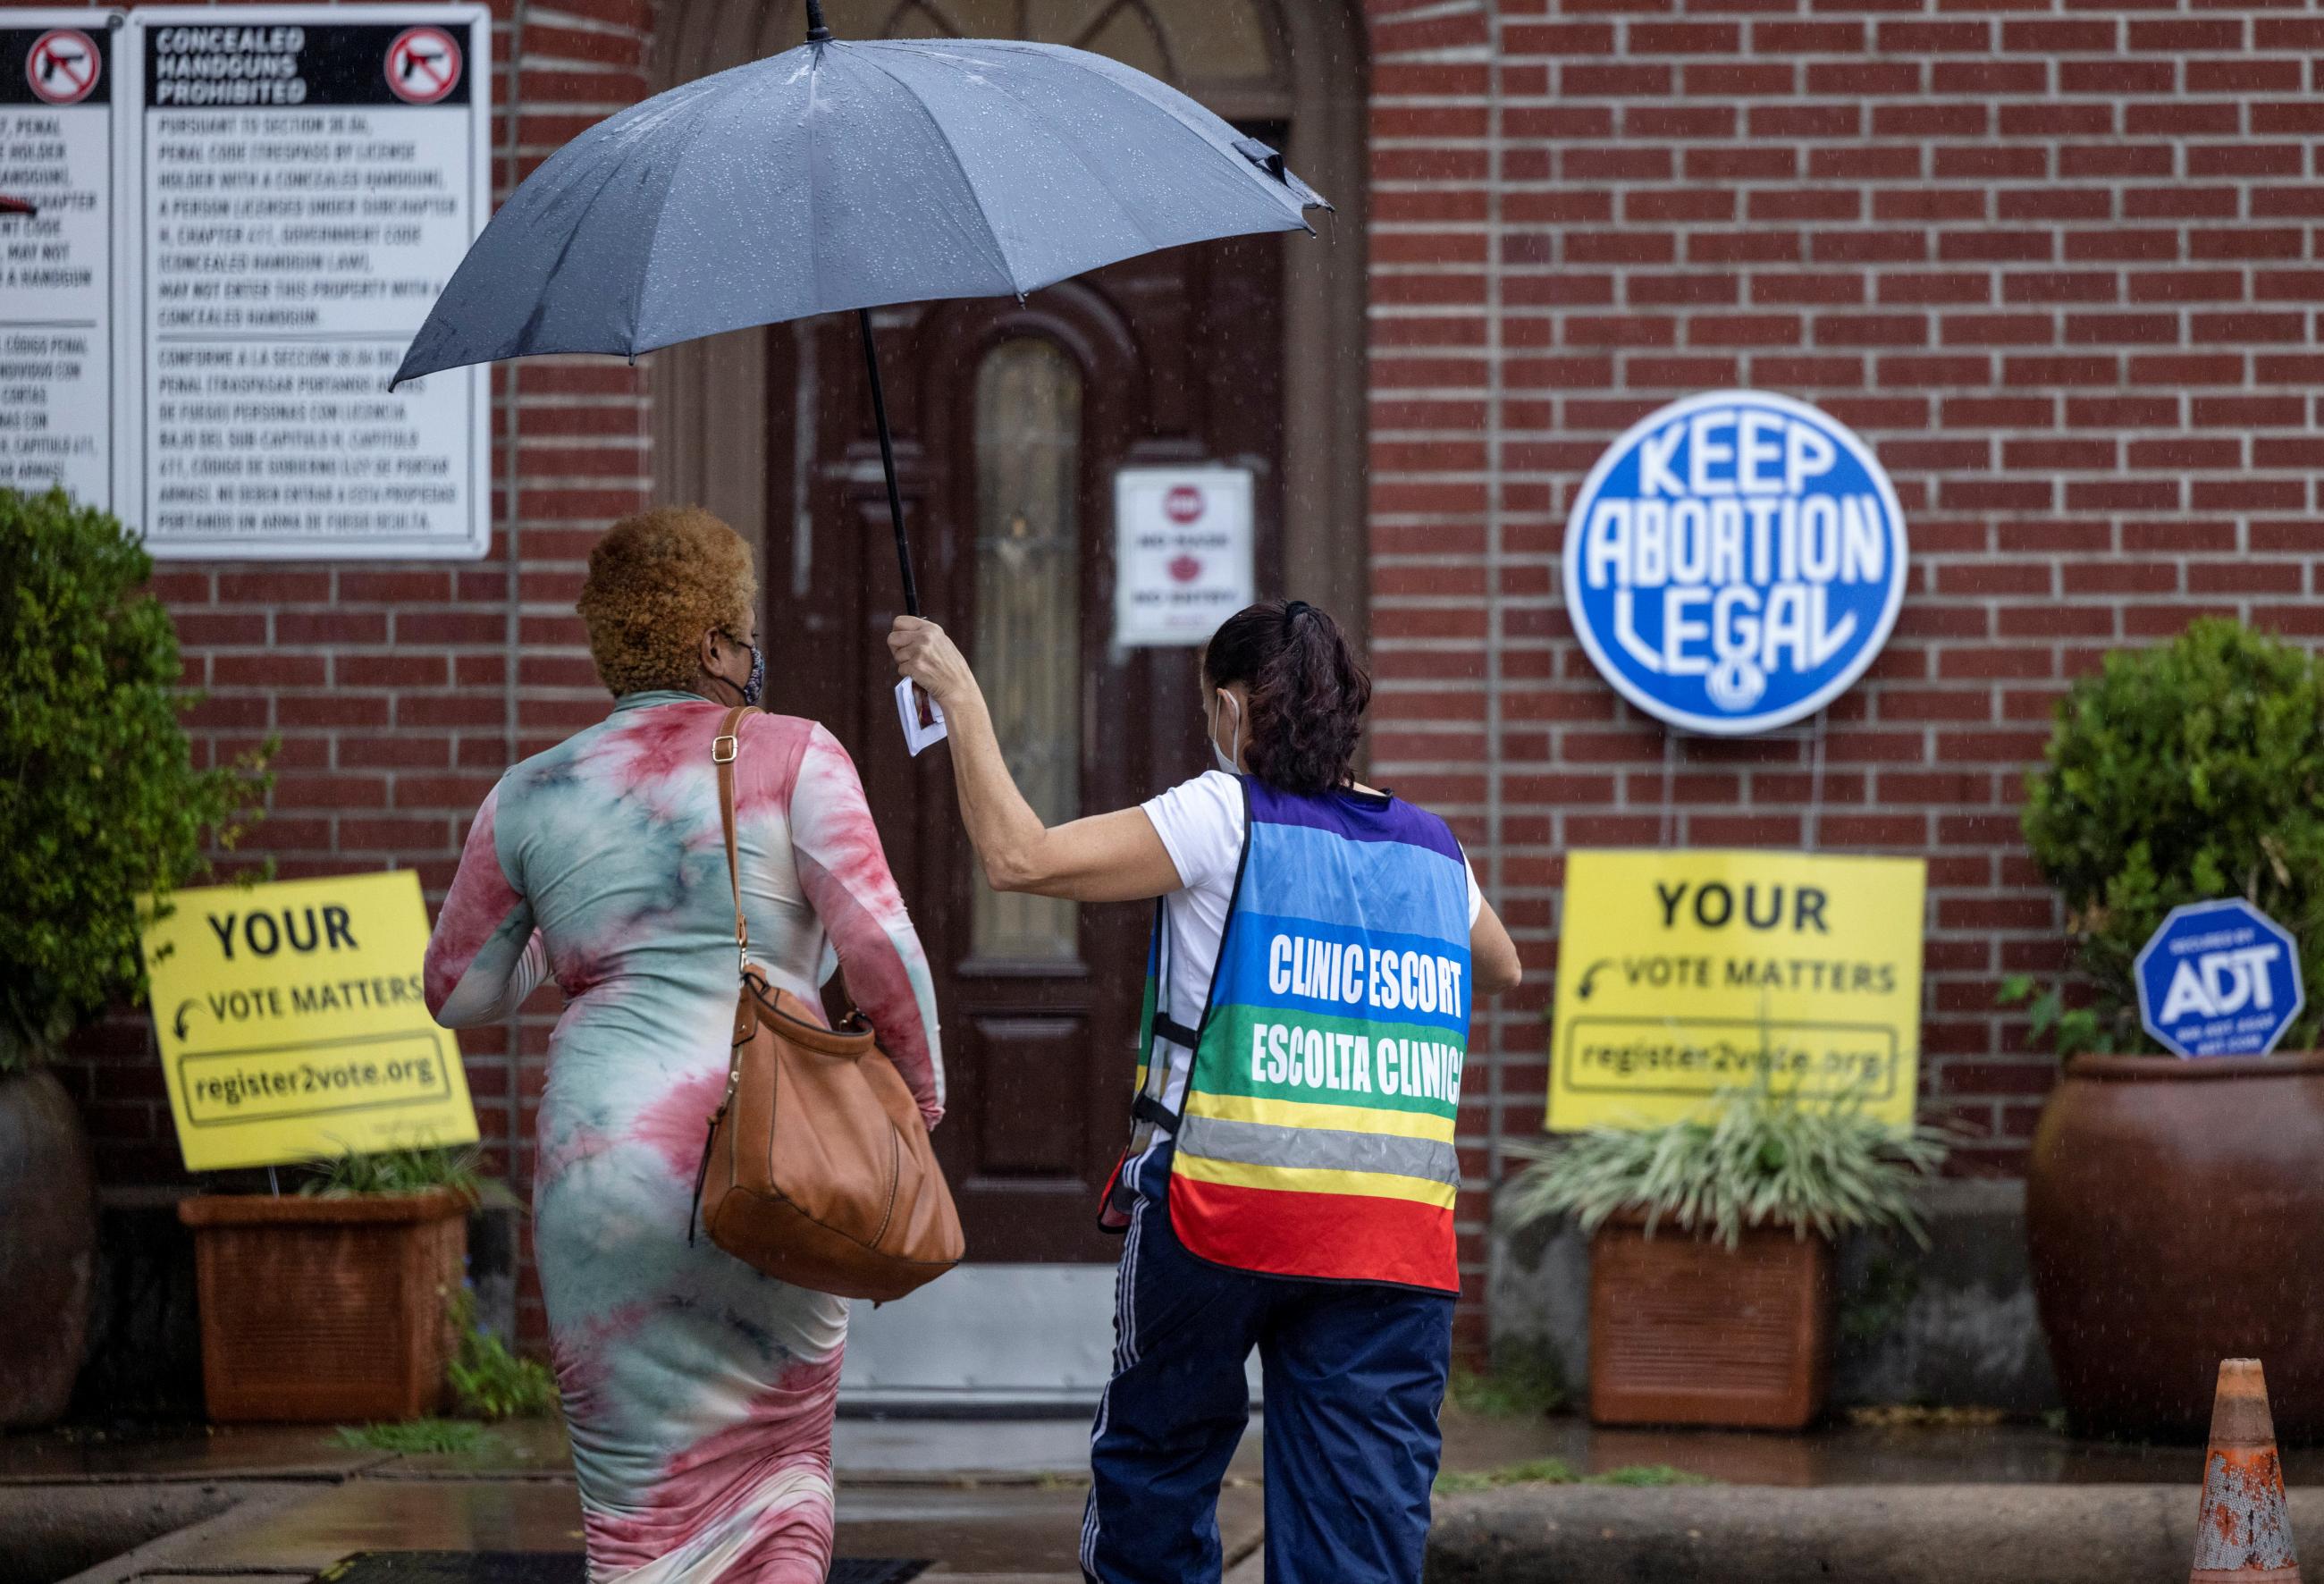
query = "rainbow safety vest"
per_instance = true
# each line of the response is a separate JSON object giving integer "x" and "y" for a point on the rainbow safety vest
{"x": 1315, "y": 1136}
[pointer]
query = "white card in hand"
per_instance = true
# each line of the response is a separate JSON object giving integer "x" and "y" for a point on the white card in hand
{"x": 918, "y": 735}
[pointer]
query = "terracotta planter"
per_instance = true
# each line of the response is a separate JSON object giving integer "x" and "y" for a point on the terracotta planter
{"x": 325, "y": 1310}
{"x": 48, "y": 1246}
{"x": 1684, "y": 1330}
{"x": 2174, "y": 1212}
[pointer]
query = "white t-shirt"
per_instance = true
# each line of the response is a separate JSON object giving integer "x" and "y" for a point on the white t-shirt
{"x": 1201, "y": 823}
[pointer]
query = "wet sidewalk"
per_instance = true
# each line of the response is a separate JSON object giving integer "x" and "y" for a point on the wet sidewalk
{"x": 998, "y": 1502}
{"x": 993, "y": 1501}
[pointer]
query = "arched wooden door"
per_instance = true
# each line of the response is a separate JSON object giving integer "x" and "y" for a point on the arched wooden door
{"x": 1011, "y": 420}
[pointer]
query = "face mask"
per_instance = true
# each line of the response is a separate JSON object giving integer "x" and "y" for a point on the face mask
{"x": 1226, "y": 759}
{"x": 757, "y": 682}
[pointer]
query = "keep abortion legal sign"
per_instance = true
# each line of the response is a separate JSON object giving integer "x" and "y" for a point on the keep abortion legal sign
{"x": 1734, "y": 562}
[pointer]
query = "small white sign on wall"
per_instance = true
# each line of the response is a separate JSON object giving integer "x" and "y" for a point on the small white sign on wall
{"x": 1183, "y": 553}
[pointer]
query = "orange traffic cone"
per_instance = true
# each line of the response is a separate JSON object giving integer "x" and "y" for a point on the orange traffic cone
{"x": 2242, "y": 1535}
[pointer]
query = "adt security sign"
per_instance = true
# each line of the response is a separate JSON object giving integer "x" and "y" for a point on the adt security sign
{"x": 2219, "y": 979}
{"x": 1734, "y": 562}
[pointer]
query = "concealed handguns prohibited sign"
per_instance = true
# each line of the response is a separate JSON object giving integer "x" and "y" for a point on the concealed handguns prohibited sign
{"x": 307, "y": 179}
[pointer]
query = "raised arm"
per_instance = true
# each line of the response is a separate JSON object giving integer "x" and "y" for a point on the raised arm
{"x": 845, "y": 874}
{"x": 1105, "y": 858}
{"x": 484, "y": 957}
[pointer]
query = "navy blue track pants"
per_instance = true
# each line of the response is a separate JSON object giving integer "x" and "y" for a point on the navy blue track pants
{"x": 1354, "y": 1376}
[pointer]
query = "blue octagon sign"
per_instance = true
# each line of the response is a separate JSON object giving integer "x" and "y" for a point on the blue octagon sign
{"x": 1734, "y": 562}
{"x": 2219, "y": 979}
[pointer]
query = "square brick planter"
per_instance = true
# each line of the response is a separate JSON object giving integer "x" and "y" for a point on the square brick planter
{"x": 1684, "y": 1330}
{"x": 325, "y": 1310}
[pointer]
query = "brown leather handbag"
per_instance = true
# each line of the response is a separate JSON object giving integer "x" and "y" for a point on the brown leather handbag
{"x": 816, "y": 1169}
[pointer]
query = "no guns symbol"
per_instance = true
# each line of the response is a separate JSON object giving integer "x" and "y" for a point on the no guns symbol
{"x": 424, "y": 65}
{"x": 63, "y": 66}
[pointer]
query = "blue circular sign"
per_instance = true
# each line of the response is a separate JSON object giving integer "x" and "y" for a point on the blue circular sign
{"x": 1734, "y": 562}
{"x": 2219, "y": 978}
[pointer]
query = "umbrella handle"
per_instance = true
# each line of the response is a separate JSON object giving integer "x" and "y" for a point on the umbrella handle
{"x": 888, "y": 464}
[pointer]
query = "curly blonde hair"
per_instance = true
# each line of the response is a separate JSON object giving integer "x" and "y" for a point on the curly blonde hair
{"x": 658, "y": 582}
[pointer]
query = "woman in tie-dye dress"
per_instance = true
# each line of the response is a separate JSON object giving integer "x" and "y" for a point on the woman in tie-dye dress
{"x": 698, "y": 1392}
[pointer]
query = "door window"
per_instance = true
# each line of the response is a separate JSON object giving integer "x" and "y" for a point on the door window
{"x": 1029, "y": 616}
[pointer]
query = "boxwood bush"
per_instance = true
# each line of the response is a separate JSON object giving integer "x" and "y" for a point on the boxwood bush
{"x": 2179, "y": 774}
{"x": 101, "y": 801}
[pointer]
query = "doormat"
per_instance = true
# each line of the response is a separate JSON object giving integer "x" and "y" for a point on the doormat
{"x": 547, "y": 1567}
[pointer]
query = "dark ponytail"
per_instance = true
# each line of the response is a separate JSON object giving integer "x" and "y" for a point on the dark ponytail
{"x": 1308, "y": 692}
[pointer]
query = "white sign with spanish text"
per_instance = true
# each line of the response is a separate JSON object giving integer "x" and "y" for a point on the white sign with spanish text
{"x": 306, "y": 179}
{"x": 64, "y": 342}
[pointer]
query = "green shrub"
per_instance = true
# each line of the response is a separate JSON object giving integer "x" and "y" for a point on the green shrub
{"x": 1523, "y": 1381}
{"x": 2178, "y": 774}
{"x": 488, "y": 1380}
{"x": 99, "y": 799}
{"x": 1760, "y": 1158}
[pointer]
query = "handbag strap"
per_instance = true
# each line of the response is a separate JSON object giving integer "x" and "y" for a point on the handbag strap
{"x": 723, "y": 750}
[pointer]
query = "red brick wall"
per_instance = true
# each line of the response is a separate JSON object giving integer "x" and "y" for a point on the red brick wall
{"x": 387, "y": 683}
{"x": 2059, "y": 266}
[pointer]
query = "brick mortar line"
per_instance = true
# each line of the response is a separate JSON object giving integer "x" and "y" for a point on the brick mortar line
{"x": 579, "y": 23}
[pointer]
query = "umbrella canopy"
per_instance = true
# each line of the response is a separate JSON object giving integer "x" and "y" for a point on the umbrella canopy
{"x": 848, "y": 175}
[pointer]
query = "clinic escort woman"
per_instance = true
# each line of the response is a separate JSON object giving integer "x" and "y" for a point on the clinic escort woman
{"x": 1290, "y": 1180}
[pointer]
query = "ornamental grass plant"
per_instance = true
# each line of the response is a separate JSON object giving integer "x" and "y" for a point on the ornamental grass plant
{"x": 399, "y": 1170}
{"x": 1758, "y": 1158}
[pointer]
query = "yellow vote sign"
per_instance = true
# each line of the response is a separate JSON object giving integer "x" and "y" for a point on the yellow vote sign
{"x": 292, "y": 1025}
{"x": 1682, "y": 973}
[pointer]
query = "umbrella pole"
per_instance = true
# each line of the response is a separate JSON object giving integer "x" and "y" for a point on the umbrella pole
{"x": 888, "y": 464}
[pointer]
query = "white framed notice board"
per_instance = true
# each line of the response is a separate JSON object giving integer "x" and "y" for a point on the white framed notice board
{"x": 303, "y": 181}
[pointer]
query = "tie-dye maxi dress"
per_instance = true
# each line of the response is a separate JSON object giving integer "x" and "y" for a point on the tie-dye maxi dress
{"x": 699, "y": 1392}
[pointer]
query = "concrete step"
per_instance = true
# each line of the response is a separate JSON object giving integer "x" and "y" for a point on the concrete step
{"x": 1863, "y": 1534}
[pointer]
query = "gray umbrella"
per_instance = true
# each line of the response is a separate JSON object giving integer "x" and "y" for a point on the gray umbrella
{"x": 846, "y": 175}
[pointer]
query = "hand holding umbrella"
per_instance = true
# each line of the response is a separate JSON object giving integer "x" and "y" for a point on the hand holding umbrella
{"x": 843, "y": 176}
